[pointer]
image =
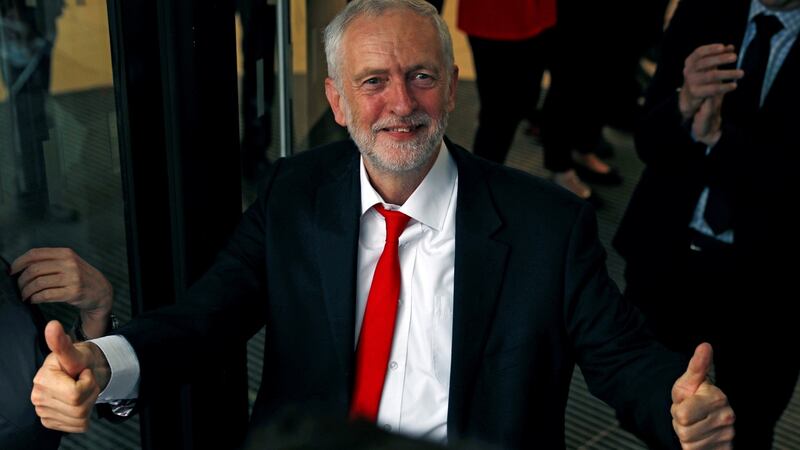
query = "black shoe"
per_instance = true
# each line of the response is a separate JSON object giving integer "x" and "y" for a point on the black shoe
{"x": 611, "y": 178}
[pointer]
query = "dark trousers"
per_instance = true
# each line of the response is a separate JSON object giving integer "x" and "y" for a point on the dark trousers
{"x": 509, "y": 77}
{"x": 703, "y": 296}
{"x": 32, "y": 129}
{"x": 572, "y": 117}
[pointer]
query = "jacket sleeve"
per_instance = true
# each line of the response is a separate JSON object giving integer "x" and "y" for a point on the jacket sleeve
{"x": 663, "y": 140}
{"x": 622, "y": 363}
{"x": 224, "y": 307}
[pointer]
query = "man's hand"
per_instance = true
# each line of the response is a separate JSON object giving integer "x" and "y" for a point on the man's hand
{"x": 703, "y": 78}
{"x": 60, "y": 275}
{"x": 707, "y": 122}
{"x": 66, "y": 387}
{"x": 701, "y": 415}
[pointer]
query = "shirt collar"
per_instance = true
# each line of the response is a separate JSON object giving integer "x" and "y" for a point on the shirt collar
{"x": 429, "y": 203}
{"x": 790, "y": 19}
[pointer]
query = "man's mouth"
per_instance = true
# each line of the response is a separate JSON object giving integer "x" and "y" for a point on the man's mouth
{"x": 402, "y": 129}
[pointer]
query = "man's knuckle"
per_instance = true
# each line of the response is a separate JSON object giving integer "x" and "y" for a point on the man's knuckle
{"x": 682, "y": 417}
{"x": 683, "y": 433}
{"x": 727, "y": 435}
{"x": 73, "y": 398}
{"x": 728, "y": 417}
{"x": 35, "y": 270}
{"x": 71, "y": 265}
{"x": 49, "y": 422}
{"x": 37, "y": 285}
{"x": 45, "y": 295}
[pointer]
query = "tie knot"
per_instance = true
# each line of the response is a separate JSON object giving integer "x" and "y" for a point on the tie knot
{"x": 395, "y": 222}
{"x": 767, "y": 25}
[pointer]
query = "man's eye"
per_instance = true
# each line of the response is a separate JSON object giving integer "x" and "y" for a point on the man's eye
{"x": 372, "y": 81}
{"x": 423, "y": 79}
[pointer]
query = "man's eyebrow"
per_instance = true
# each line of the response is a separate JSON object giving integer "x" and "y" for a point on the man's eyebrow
{"x": 375, "y": 71}
{"x": 429, "y": 67}
{"x": 369, "y": 71}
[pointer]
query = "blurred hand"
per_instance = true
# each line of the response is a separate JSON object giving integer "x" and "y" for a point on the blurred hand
{"x": 707, "y": 122}
{"x": 66, "y": 387}
{"x": 59, "y": 275}
{"x": 703, "y": 78}
{"x": 701, "y": 416}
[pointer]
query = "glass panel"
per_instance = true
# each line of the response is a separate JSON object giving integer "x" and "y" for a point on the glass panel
{"x": 60, "y": 183}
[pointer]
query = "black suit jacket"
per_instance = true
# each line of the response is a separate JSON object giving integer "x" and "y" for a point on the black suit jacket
{"x": 759, "y": 164}
{"x": 532, "y": 298}
{"x": 22, "y": 350}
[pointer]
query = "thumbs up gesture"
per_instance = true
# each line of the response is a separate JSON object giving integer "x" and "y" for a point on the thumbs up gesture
{"x": 701, "y": 415}
{"x": 67, "y": 385}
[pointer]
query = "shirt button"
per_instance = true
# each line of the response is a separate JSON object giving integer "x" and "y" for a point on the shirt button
{"x": 387, "y": 427}
{"x": 393, "y": 365}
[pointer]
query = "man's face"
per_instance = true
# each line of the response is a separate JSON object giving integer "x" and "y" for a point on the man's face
{"x": 781, "y": 5}
{"x": 395, "y": 95}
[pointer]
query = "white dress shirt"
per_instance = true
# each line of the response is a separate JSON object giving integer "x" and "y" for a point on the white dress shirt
{"x": 415, "y": 393}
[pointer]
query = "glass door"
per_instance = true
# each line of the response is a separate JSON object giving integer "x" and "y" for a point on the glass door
{"x": 60, "y": 177}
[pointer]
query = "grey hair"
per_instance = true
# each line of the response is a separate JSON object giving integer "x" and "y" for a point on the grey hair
{"x": 374, "y": 8}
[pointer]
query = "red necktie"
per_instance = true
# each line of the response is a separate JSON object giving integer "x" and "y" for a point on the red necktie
{"x": 377, "y": 328}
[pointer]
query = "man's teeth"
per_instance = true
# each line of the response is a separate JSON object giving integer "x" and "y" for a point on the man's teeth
{"x": 400, "y": 129}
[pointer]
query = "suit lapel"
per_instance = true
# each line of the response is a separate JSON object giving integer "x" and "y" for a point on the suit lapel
{"x": 337, "y": 211}
{"x": 479, "y": 267}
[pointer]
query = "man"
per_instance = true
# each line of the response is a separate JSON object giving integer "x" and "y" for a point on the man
{"x": 709, "y": 215}
{"x": 42, "y": 275}
{"x": 28, "y": 31}
{"x": 489, "y": 286}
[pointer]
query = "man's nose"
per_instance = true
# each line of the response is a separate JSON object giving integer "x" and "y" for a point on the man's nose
{"x": 401, "y": 99}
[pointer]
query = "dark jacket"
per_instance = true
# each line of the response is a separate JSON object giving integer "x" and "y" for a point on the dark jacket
{"x": 758, "y": 165}
{"x": 532, "y": 298}
{"x": 22, "y": 351}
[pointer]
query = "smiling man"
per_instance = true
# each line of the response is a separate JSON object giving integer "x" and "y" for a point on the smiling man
{"x": 406, "y": 282}
{"x": 392, "y": 85}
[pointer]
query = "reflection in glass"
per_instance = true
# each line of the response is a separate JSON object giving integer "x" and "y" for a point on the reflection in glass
{"x": 59, "y": 164}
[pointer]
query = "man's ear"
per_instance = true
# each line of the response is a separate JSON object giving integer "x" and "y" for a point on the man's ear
{"x": 335, "y": 99}
{"x": 451, "y": 94}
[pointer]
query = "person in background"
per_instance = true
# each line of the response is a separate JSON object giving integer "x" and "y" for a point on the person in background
{"x": 27, "y": 36}
{"x": 258, "y": 84}
{"x": 584, "y": 52}
{"x": 708, "y": 228}
{"x": 40, "y": 276}
{"x": 509, "y": 43}
{"x": 405, "y": 282}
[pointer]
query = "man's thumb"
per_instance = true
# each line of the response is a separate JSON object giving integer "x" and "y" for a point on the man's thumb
{"x": 60, "y": 344}
{"x": 695, "y": 374}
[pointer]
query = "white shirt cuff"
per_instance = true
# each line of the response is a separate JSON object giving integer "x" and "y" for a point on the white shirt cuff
{"x": 124, "y": 381}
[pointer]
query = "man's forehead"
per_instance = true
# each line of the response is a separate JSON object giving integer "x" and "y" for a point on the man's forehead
{"x": 393, "y": 22}
{"x": 393, "y": 32}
